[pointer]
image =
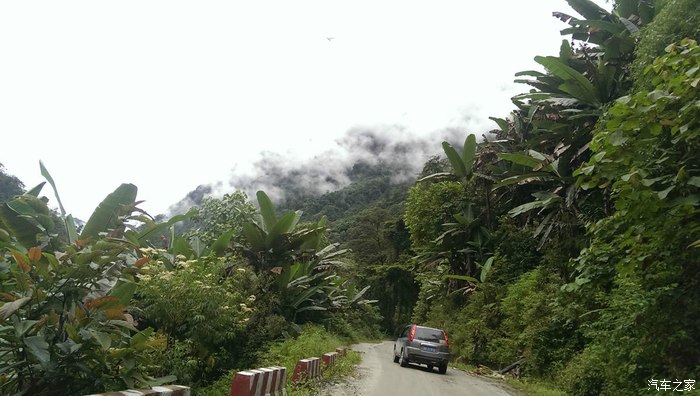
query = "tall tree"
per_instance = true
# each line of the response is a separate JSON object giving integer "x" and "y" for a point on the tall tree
{"x": 10, "y": 186}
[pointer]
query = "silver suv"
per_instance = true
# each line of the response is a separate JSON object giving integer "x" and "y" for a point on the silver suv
{"x": 424, "y": 345}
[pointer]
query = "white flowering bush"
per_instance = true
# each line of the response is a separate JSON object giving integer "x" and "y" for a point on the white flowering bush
{"x": 196, "y": 307}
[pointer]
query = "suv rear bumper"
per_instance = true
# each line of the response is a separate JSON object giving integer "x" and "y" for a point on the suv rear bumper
{"x": 416, "y": 355}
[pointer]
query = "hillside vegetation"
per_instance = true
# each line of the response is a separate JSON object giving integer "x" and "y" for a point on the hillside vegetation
{"x": 564, "y": 245}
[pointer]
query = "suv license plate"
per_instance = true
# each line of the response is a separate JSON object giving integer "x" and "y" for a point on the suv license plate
{"x": 430, "y": 349}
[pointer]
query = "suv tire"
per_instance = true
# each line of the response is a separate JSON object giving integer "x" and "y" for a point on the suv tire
{"x": 396, "y": 358}
{"x": 403, "y": 360}
{"x": 442, "y": 369}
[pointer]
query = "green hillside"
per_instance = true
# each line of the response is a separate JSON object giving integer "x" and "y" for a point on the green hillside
{"x": 561, "y": 250}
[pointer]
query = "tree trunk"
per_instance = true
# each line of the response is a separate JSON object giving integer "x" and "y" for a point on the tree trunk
{"x": 512, "y": 366}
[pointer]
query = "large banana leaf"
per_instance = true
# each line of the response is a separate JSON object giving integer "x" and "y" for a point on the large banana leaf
{"x": 306, "y": 295}
{"x": 219, "y": 246}
{"x": 503, "y": 124}
{"x": 358, "y": 295}
{"x": 526, "y": 177}
{"x": 267, "y": 210}
{"x": 462, "y": 277}
{"x": 68, "y": 221}
{"x": 153, "y": 228}
{"x": 47, "y": 176}
{"x": 254, "y": 235}
{"x": 588, "y": 9}
{"x": 531, "y": 73}
{"x": 34, "y": 192}
{"x": 575, "y": 83}
{"x": 25, "y": 217}
{"x": 469, "y": 153}
{"x": 440, "y": 176}
{"x": 610, "y": 27}
{"x": 283, "y": 226}
{"x": 485, "y": 269}
{"x": 181, "y": 246}
{"x": 544, "y": 199}
{"x": 626, "y": 8}
{"x": 108, "y": 211}
{"x": 455, "y": 159}
{"x": 520, "y": 159}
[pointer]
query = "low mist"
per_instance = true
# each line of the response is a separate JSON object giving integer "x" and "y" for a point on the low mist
{"x": 401, "y": 152}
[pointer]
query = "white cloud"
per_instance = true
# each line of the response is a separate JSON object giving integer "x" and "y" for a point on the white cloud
{"x": 172, "y": 94}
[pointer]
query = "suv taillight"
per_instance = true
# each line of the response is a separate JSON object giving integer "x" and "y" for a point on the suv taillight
{"x": 447, "y": 343}
{"x": 412, "y": 334}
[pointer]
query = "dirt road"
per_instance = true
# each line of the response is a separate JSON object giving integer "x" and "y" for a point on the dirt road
{"x": 379, "y": 375}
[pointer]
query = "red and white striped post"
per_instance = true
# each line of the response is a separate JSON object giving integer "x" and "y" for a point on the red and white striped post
{"x": 270, "y": 381}
{"x": 307, "y": 369}
{"x": 165, "y": 390}
{"x": 329, "y": 359}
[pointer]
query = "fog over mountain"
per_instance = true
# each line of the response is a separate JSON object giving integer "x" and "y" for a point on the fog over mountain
{"x": 281, "y": 177}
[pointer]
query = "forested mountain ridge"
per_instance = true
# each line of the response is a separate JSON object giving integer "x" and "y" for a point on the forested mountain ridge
{"x": 565, "y": 244}
{"x": 370, "y": 186}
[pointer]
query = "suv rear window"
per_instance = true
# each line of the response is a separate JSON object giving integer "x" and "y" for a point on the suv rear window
{"x": 428, "y": 334}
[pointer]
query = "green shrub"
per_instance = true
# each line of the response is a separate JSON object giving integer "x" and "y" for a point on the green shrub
{"x": 65, "y": 320}
{"x": 356, "y": 324}
{"x": 176, "y": 359}
{"x": 313, "y": 341}
{"x": 584, "y": 375}
{"x": 646, "y": 149}
{"x": 73, "y": 342}
{"x": 214, "y": 216}
{"x": 678, "y": 19}
{"x": 200, "y": 310}
{"x": 539, "y": 325}
{"x": 476, "y": 327}
{"x": 429, "y": 205}
{"x": 516, "y": 253}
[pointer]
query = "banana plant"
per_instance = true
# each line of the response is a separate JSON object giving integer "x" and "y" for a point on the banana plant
{"x": 464, "y": 244}
{"x": 304, "y": 288}
{"x": 484, "y": 270}
{"x": 580, "y": 81}
{"x": 347, "y": 295}
{"x": 550, "y": 132}
{"x": 68, "y": 220}
{"x": 273, "y": 241}
{"x": 462, "y": 163}
{"x": 26, "y": 218}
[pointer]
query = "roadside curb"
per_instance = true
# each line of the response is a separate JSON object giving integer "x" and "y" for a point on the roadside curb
{"x": 272, "y": 381}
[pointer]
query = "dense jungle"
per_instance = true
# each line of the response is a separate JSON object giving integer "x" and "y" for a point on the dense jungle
{"x": 565, "y": 241}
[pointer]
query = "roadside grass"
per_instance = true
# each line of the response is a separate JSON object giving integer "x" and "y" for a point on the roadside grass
{"x": 314, "y": 341}
{"x": 534, "y": 387}
{"x": 463, "y": 366}
{"x": 524, "y": 386}
{"x": 344, "y": 367}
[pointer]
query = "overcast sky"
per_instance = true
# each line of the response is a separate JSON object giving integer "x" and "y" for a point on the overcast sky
{"x": 171, "y": 94}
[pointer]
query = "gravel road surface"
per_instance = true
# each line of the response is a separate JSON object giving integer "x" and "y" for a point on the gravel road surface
{"x": 378, "y": 375}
